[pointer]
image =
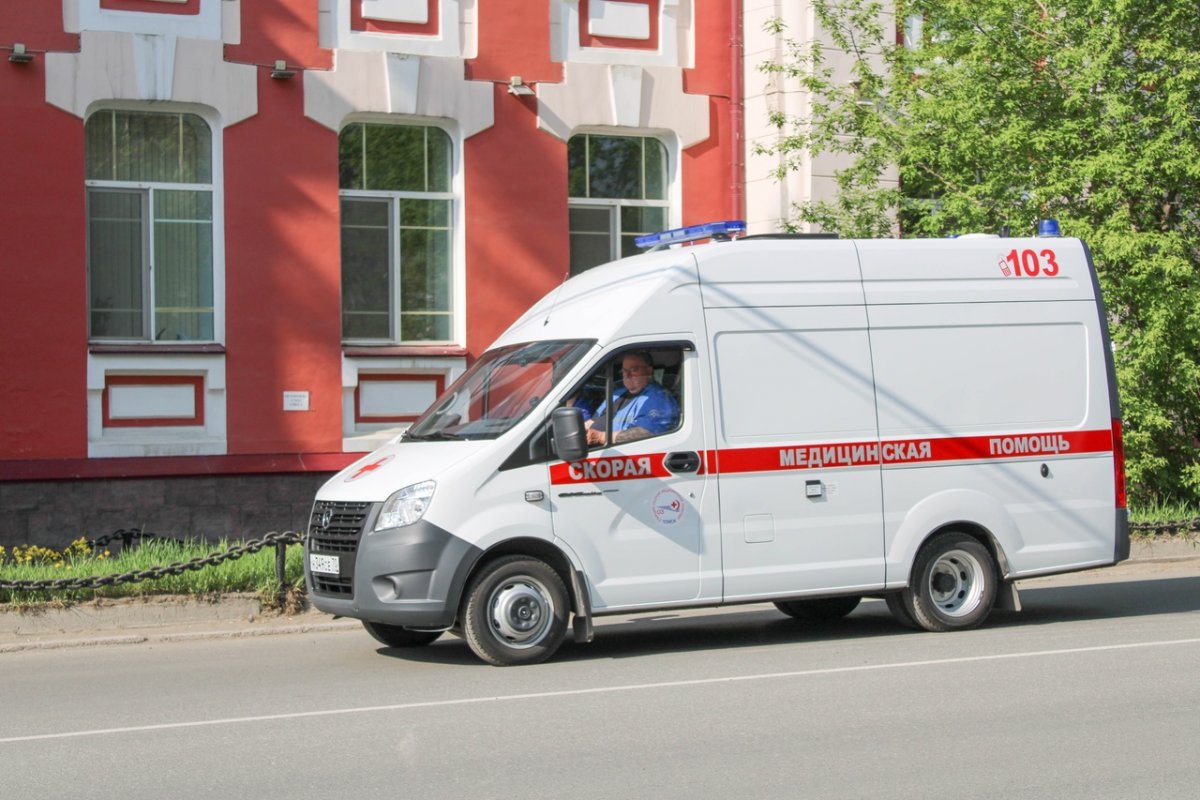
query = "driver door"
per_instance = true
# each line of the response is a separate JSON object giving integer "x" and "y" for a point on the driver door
{"x": 635, "y": 512}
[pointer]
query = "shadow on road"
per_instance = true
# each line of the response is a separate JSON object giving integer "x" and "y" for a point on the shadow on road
{"x": 758, "y": 625}
{"x": 1047, "y": 604}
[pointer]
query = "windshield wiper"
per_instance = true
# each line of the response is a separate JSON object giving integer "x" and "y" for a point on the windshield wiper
{"x": 435, "y": 436}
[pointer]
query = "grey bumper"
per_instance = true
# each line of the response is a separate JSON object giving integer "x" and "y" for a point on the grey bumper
{"x": 411, "y": 576}
{"x": 1121, "y": 551}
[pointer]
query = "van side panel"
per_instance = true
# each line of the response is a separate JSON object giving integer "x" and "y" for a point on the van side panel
{"x": 768, "y": 274}
{"x": 1013, "y": 400}
{"x": 974, "y": 271}
{"x": 801, "y": 509}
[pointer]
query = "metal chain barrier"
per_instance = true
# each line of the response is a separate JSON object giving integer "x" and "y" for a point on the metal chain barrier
{"x": 278, "y": 540}
{"x": 1168, "y": 528}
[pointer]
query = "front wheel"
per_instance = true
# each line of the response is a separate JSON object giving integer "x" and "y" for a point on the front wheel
{"x": 953, "y": 584}
{"x": 516, "y": 612}
{"x": 895, "y": 604}
{"x": 396, "y": 636}
{"x": 820, "y": 610}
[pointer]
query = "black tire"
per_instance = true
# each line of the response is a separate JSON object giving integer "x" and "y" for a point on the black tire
{"x": 396, "y": 636}
{"x": 515, "y": 612}
{"x": 953, "y": 584}
{"x": 895, "y": 604}
{"x": 819, "y": 610}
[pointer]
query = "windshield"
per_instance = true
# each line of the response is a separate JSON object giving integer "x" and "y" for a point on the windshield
{"x": 497, "y": 391}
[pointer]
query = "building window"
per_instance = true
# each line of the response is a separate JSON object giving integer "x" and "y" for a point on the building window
{"x": 397, "y": 208}
{"x": 150, "y": 226}
{"x": 618, "y": 191}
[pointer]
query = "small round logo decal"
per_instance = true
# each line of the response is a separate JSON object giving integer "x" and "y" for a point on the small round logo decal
{"x": 668, "y": 507}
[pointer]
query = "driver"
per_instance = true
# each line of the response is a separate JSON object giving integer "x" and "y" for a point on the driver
{"x": 642, "y": 408}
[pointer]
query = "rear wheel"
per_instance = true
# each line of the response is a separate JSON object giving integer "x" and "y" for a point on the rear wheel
{"x": 953, "y": 584}
{"x": 820, "y": 609}
{"x": 516, "y": 612}
{"x": 396, "y": 636}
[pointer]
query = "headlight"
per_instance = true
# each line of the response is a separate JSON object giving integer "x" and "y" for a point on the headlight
{"x": 406, "y": 506}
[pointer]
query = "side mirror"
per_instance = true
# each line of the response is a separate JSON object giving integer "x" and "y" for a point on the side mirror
{"x": 570, "y": 438}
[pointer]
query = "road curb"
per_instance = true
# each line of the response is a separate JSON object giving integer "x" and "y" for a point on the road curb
{"x": 191, "y": 636}
{"x": 153, "y": 619}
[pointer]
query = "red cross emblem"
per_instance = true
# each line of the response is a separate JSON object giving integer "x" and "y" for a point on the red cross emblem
{"x": 367, "y": 469}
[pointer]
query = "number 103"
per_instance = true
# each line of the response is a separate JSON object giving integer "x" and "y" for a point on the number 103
{"x": 1032, "y": 264}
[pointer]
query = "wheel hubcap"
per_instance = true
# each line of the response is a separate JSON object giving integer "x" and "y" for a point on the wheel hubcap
{"x": 521, "y": 612}
{"x": 956, "y": 583}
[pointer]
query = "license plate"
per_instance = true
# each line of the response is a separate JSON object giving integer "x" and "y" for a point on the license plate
{"x": 326, "y": 565}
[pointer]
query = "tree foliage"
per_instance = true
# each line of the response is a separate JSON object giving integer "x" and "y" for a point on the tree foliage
{"x": 1009, "y": 111}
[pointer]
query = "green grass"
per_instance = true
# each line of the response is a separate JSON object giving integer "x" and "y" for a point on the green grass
{"x": 1162, "y": 512}
{"x": 253, "y": 572}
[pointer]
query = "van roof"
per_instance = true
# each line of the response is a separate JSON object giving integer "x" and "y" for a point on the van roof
{"x": 634, "y": 295}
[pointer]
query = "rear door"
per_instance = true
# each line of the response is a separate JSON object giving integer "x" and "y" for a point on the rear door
{"x": 1007, "y": 393}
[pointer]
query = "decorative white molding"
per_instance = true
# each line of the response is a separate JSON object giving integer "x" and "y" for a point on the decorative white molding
{"x": 196, "y": 440}
{"x": 154, "y": 64}
{"x": 389, "y": 83}
{"x": 403, "y": 75}
{"x": 365, "y": 437}
{"x": 626, "y": 95}
{"x": 383, "y": 398}
{"x": 411, "y": 11}
{"x": 648, "y": 98}
{"x": 454, "y": 29}
{"x": 675, "y": 33}
{"x": 124, "y": 66}
{"x": 86, "y": 15}
{"x": 619, "y": 20}
{"x": 231, "y": 21}
{"x": 151, "y": 401}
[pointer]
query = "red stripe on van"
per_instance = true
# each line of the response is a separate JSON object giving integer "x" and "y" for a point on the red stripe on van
{"x": 912, "y": 451}
{"x": 611, "y": 468}
{"x": 930, "y": 450}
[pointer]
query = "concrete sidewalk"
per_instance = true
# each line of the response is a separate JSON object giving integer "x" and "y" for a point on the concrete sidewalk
{"x": 168, "y": 619}
{"x": 154, "y": 619}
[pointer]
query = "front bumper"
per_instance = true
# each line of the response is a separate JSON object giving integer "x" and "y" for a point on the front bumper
{"x": 411, "y": 576}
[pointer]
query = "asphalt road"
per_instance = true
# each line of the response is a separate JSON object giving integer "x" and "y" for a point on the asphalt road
{"x": 1093, "y": 691}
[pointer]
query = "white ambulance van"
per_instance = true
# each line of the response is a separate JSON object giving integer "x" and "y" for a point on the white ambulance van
{"x": 802, "y": 421}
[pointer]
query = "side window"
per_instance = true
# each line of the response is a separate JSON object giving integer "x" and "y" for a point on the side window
{"x": 635, "y": 395}
{"x": 150, "y": 226}
{"x": 618, "y": 191}
{"x": 397, "y": 211}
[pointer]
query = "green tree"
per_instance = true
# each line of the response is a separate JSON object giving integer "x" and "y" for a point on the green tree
{"x": 1004, "y": 112}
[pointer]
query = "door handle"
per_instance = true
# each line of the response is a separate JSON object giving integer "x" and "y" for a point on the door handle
{"x": 682, "y": 462}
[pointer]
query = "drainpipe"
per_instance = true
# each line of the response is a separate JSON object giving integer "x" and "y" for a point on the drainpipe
{"x": 737, "y": 113}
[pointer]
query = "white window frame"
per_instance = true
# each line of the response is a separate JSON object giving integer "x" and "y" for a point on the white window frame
{"x": 147, "y": 189}
{"x": 457, "y": 245}
{"x": 672, "y": 203}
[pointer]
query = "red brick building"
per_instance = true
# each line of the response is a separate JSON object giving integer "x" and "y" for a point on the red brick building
{"x": 245, "y": 240}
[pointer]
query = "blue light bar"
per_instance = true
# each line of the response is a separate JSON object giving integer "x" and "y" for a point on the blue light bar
{"x": 709, "y": 230}
{"x": 1048, "y": 227}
